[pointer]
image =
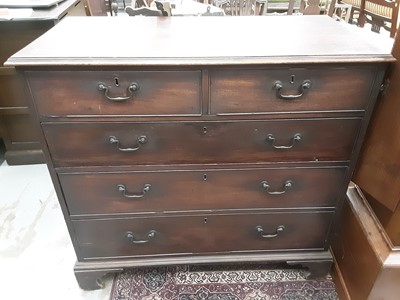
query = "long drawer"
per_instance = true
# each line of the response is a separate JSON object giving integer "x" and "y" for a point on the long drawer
{"x": 82, "y": 144}
{"x": 69, "y": 93}
{"x": 290, "y": 90}
{"x": 104, "y": 238}
{"x": 188, "y": 190}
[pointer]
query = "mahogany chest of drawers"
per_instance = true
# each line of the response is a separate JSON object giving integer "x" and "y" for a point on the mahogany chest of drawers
{"x": 170, "y": 147}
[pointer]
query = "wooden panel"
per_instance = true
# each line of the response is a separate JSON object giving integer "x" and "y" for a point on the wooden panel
{"x": 353, "y": 252}
{"x": 12, "y": 94}
{"x": 96, "y": 8}
{"x": 340, "y": 285}
{"x": 393, "y": 228}
{"x": 387, "y": 284}
{"x": 98, "y": 193}
{"x": 389, "y": 219}
{"x": 22, "y": 145}
{"x": 378, "y": 171}
{"x": 77, "y": 93}
{"x": 78, "y": 9}
{"x": 19, "y": 34}
{"x": 20, "y": 132}
{"x": 331, "y": 89}
{"x": 81, "y": 144}
{"x": 20, "y": 139}
{"x": 361, "y": 244}
{"x": 202, "y": 234}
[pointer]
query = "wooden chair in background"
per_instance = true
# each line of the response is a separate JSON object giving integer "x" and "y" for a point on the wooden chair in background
{"x": 264, "y": 7}
{"x": 237, "y": 7}
{"x": 96, "y": 7}
{"x": 103, "y": 7}
{"x": 341, "y": 11}
{"x": 380, "y": 14}
{"x": 222, "y": 4}
{"x": 354, "y": 10}
{"x": 301, "y": 7}
{"x": 109, "y": 7}
{"x": 242, "y": 7}
{"x": 310, "y": 7}
{"x": 141, "y": 9}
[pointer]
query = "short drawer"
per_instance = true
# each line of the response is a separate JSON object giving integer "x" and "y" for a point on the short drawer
{"x": 69, "y": 93}
{"x": 188, "y": 190}
{"x": 290, "y": 90}
{"x": 105, "y": 238}
{"x": 83, "y": 144}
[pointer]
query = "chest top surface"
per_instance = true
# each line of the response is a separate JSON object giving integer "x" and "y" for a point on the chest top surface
{"x": 202, "y": 41}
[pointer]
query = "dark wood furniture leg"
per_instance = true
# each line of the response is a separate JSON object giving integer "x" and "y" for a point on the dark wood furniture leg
{"x": 92, "y": 279}
{"x": 318, "y": 268}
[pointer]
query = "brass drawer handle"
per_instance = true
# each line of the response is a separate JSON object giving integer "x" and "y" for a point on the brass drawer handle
{"x": 133, "y": 87}
{"x": 286, "y": 186}
{"x": 279, "y": 229}
{"x": 141, "y": 140}
{"x": 295, "y": 138}
{"x": 131, "y": 237}
{"x": 122, "y": 189}
{"x": 278, "y": 86}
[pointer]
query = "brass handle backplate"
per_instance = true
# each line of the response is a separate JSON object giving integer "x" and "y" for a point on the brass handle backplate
{"x": 278, "y": 86}
{"x": 141, "y": 140}
{"x": 132, "y": 237}
{"x": 279, "y": 230}
{"x": 286, "y": 186}
{"x": 122, "y": 189}
{"x": 296, "y": 138}
{"x": 133, "y": 87}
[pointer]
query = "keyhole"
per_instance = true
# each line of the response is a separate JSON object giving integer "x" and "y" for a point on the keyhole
{"x": 205, "y": 177}
{"x": 116, "y": 79}
{"x": 292, "y": 79}
{"x": 205, "y": 220}
{"x": 205, "y": 130}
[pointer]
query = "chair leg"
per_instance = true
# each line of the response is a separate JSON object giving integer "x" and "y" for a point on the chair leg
{"x": 393, "y": 30}
{"x": 110, "y": 6}
{"x": 361, "y": 20}
{"x": 263, "y": 9}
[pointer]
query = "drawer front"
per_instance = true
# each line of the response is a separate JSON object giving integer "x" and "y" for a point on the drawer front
{"x": 71, "y": 93}
{"x": 202, "y": 234}
{"x": 249, "y": 91}
{"x": 81, "y": 144}
{"x": 167, "y": 191}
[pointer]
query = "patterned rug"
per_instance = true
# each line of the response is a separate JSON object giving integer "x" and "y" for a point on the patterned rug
{"x": 219, "y": 283}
